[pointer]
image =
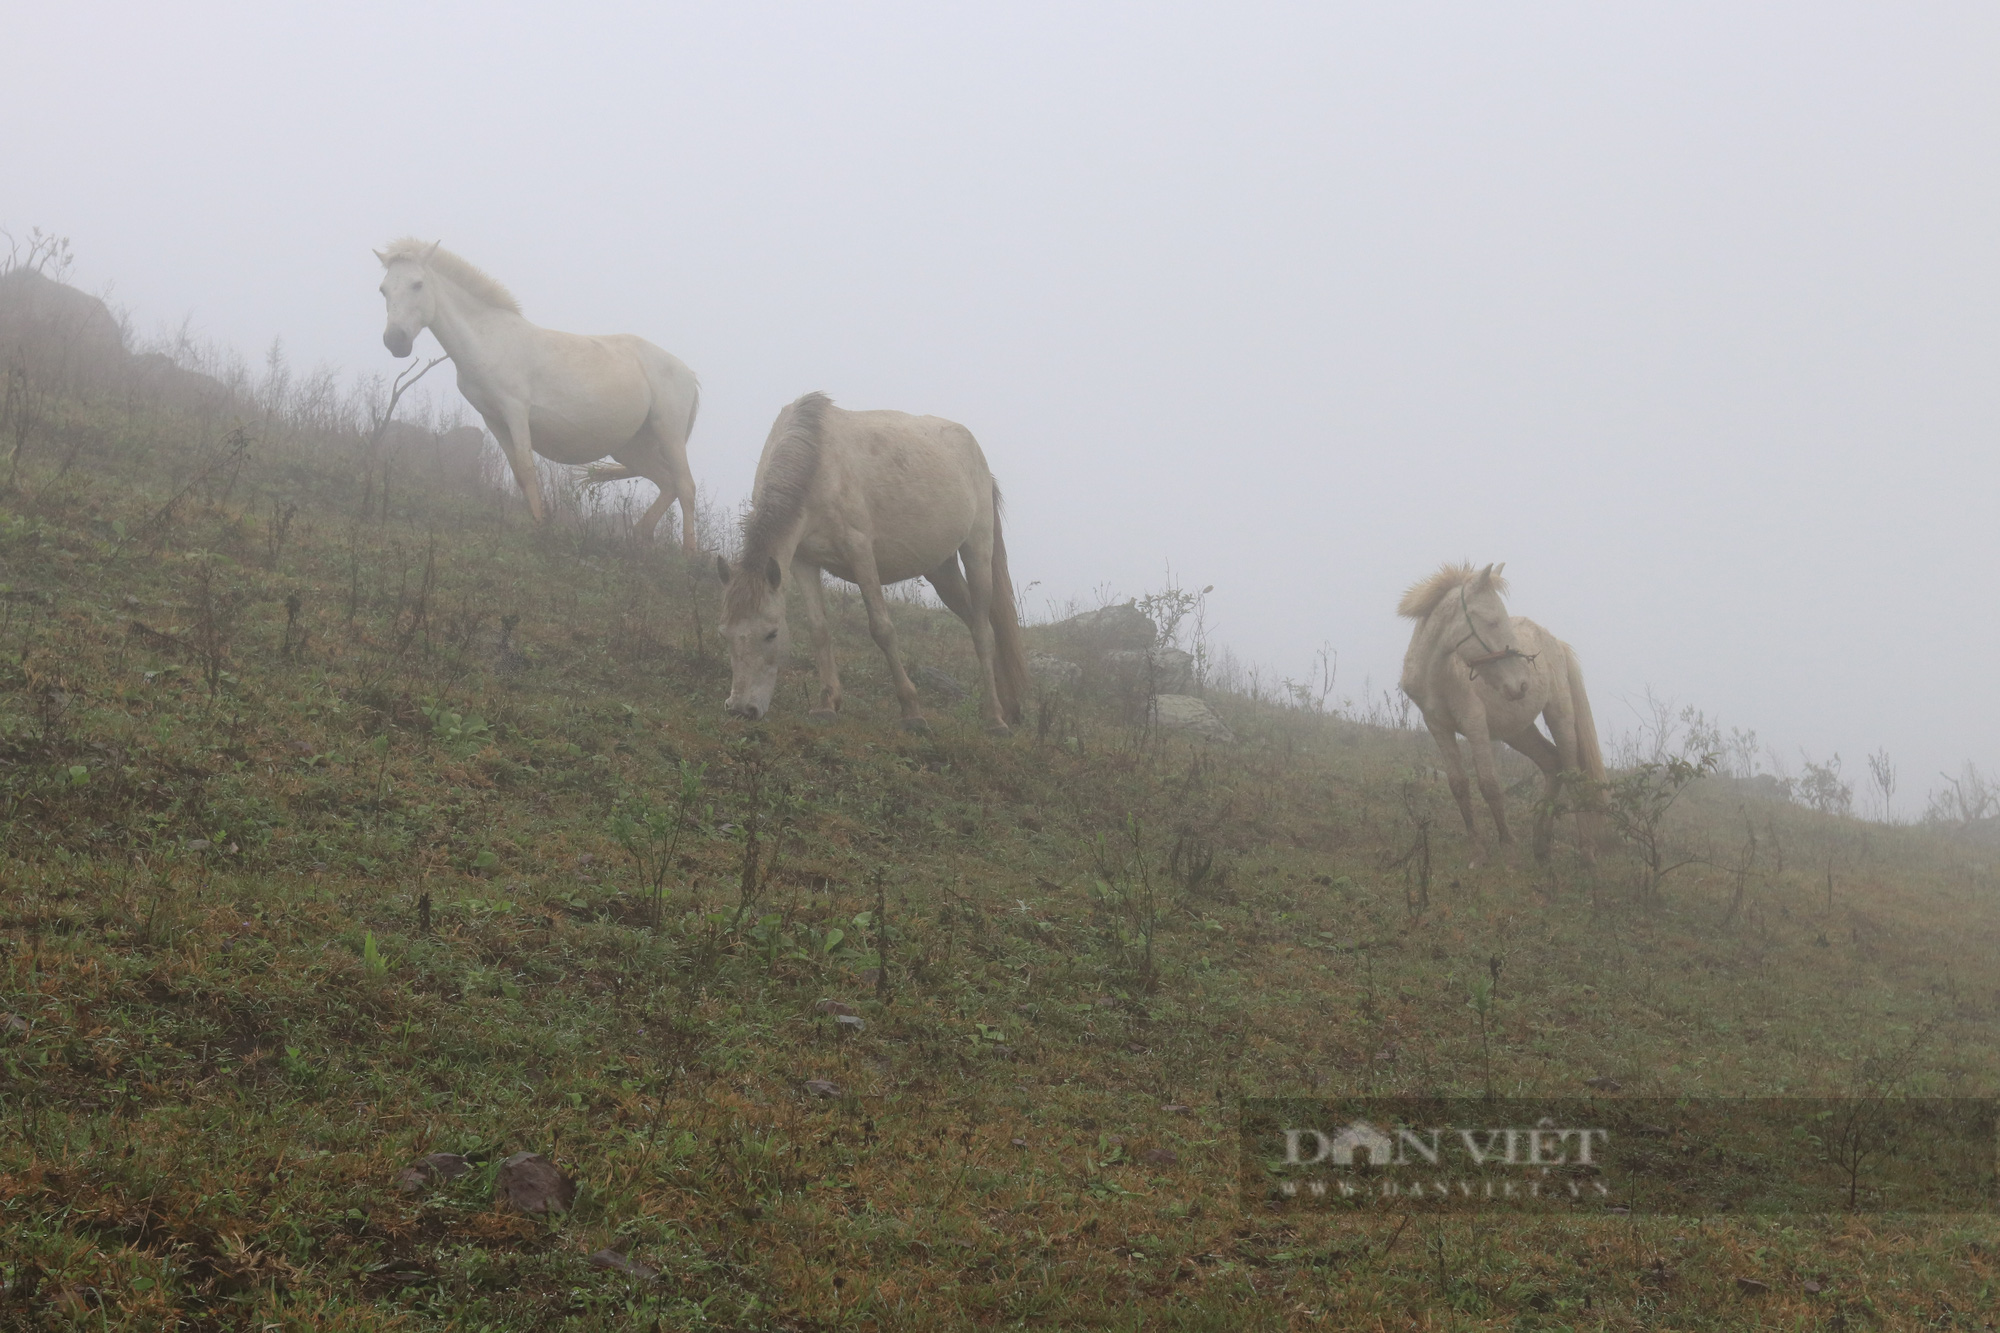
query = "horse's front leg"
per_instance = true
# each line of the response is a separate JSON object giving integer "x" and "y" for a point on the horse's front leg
{"x": 1537, "y": 747}
{"x": 1480, "y": 741}
{"x": 511, "y": 430}
{"x": 1446, "y": 737}
{"x": 807, "y": 577}
{"x": 861, "y": 558}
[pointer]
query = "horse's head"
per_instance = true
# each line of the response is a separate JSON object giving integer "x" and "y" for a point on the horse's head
{"x": 753, "y": 625}
{"x": 412, "y": 298}
{"x": 1489, "y": 647}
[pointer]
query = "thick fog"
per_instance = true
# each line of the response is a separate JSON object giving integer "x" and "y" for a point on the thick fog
{"x": 1687, "y": 312}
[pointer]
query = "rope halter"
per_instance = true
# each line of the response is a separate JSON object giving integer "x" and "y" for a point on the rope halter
{"x": 1492, "y": 654}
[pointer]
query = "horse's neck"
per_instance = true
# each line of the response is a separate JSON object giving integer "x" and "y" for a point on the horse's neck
{"x": 1438, "y": 625}
{"x": 785, "y": 545}
{"x": 469, "y": 330}
{"x": 1444, "y": 630}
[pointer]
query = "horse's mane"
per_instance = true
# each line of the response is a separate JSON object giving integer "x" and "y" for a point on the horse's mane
{"x": 1425, "y": 594}
{"x": 477, "y": 284}
{"x": 787, "y": 479}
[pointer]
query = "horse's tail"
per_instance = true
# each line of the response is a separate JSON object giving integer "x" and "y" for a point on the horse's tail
{"x": 1010, "y": 655}
{"x": 1588, "y": 752}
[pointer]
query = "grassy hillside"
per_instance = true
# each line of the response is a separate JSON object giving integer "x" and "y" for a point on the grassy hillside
{"x": 349, "y": 821}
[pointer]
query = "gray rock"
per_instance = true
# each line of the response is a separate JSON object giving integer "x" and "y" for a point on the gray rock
{"x": 1184, "y": 712}
{"x": 618, "y": 1263}
{"x": 1979, "y": 832}
{"x": 940, "y": 682}
{"x": 1109, "y": 628}
{"x": 529, "y": 1183}
{"x": 1760, "y": 787}
{"x": 53, "y": 331}
{"x": 451, "y": 458}
{"x": 64, "y": 336}
{"x": 1055, "y": 673}
{"x": 1164, "y": 670}
{"x": 431, "y": 1167}
{"x": 155, "y": 373}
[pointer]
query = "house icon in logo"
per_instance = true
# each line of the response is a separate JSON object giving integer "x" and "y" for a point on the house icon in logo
{"x": 1347, "y": 1146}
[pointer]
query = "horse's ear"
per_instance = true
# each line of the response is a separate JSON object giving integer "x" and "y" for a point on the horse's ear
{"x": 773, "y": 572}
{"x": 1485, "y": 579}
{"x": 721, "y": 568}
{"x": 1497, "y": 569}
{"x": 384, "y": 258}
{"x": 433, "y": 250}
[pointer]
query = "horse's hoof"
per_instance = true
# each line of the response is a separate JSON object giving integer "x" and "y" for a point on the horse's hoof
{"x": 824, "y": 715}
{"x": 915, "y": 724}
{"x": 999, "y": 729}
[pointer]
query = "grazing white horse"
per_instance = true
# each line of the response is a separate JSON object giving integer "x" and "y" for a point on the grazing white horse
{"x": 1475, "y": 671}
{"x": 569, "y": 397}
{"x": 874, "y": 498}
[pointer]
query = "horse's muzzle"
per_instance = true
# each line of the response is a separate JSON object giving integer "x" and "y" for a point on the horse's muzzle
{"x": 398, "y": 343}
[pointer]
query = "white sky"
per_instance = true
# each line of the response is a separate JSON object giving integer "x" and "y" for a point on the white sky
{"x": 1686, "y": 311}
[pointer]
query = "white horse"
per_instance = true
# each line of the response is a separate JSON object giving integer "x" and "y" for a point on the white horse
{"x": 875, "y": 498}
{"x": 568, "y": 397}
{"x": 1473, "y": 670}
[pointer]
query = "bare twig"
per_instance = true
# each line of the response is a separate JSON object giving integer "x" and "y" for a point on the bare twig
{"x": 405, "y": 380}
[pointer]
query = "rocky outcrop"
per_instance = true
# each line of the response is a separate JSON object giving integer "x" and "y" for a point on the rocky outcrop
{"x": 1114, "y": 651}
{"x": 58, "y": 333}
{"x": 1156, "y": 670}
{"x": 1055, "y": 673}
{"x": 1107, "y": 629}
{"x": 69, "y": 339}
{"x": 453, "y": 459}
{"x": 939, "y": 682}
{"x": 156, "y": 375}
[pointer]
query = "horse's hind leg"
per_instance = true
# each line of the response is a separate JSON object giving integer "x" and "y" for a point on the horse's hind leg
{"x": 650, "y": 520}
{"x": 684, "y": 491}
{"x": 1562, "y": 726}
{"x": 665, "y": 465}
{"x": 970, "y": 598}
{"x": 951, "y": 589}
{"x": 861, "y": 559}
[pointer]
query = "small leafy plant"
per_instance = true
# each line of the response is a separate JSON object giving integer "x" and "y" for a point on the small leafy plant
{"x": 1123, "y": 889}
{"x": 651, "y": 835}
{"x": 457, "y": 729}
{"x": 1637, "y": 804}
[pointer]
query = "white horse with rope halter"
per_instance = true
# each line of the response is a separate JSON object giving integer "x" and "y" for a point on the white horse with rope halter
{"x": 1520, "y": 676}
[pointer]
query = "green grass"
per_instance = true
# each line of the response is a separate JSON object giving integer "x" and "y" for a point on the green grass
{"x": 336, "y": 841}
